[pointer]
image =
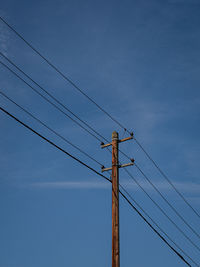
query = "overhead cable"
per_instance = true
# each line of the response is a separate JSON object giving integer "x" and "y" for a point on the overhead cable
{"x": 153, "y": 221}
{"x": 62, "y": 74}
{"x": 97, "y": 105}
{"x": 57, "y": 101}
{"x": 49, "y": 101}
{"x": 35, "y": 90}
{"x": 162, "y": 210}
{"x": 53, "y": 97}
{"x": 104, "y": 177}
{"x": 50, "y": 129}
{"x": 166, "y": 178}
{"x": 168, "y": 203}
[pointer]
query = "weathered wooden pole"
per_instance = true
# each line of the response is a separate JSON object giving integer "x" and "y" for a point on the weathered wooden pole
{"x": 115, "y": 193}
{"x": 115, "y": 201}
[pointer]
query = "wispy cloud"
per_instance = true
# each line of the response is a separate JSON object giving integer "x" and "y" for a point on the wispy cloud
{"x": 71, "y": 185}
{"x": 191, "y": 188}
{"x": 183, "y": 187}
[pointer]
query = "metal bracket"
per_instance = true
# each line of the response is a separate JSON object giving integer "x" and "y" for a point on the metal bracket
{"x": 103, "y": 169}
{"x": 119, "y": 141}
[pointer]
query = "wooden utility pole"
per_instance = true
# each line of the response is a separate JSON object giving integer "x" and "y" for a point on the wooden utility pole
{"x": 115, "y": 201}
{"x": 115, "y": 194}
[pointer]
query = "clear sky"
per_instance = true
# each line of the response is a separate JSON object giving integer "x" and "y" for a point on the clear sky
{"x": 140, "y": 60}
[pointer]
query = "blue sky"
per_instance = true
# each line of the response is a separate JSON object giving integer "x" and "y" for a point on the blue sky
{"x": 140, "y": 61}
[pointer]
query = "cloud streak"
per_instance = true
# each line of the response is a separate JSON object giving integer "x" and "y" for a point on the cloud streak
{"x": 192, "y": 188}
{"x": 71, "y": 185}
{"x": 183, "y": 187}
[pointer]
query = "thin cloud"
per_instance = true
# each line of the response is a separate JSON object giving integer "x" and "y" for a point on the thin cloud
{"x": 191, "y": 188}
{"x": 183, "y": 187}
{"x": 72, "y": 185}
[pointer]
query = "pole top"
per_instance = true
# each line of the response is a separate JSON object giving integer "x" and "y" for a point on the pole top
{"x": 114, "y": 135}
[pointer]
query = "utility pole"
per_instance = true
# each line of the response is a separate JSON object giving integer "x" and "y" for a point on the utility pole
{"x": 115, "y": 201}
{"x": 115, "y": 194}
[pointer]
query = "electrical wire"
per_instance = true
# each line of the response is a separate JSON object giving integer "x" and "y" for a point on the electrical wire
{"x": 164, "y": 213}
{"x": 35, "y": 90}
{"x": 98, "y": 106}
{"x": 104, "y": 177}
{"x": 50, "y": 129}
{"x": 31, "y": 115}
{"x": 52, "y": 96}
{"x": 154, "y": 229}
{"x": 168, "y": 203}
{"x": 63, "y": 138}
{"x": 90, "y": 132}
{"x": 52, "y": 143}
{"x": 56, "y": 100}
{"x": 49, "y": 101}
{"x": 166, "y": 178}
{"x": 162, "y": 210}
{"x": 153, "y": 221}
{"x": 62, "y": 74}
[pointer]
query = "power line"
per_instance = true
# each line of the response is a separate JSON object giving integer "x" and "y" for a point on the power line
{"x": 85, "y": 123}
{"x": 104, "y": 177}
{"x": 155, "y": 229}
{"x": 53, "y": 97}
{"x": 53, "y": 144}
{"x": 166, "y": 178}
{"x": 49, "y": 101}
{"x": 35, "y": 90}
{"x": 162, "y": 210}
{"x": 38, "y": 120}
{"x": 63, "y": 75}
{"x": 176, "y": 212}
{"x": 153, "y": 221}
{"x": 50, "y": 129}
{"x": 97, "y": 105}
{"x": 56, "y": 100}
{"x": 168, "y": 203}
